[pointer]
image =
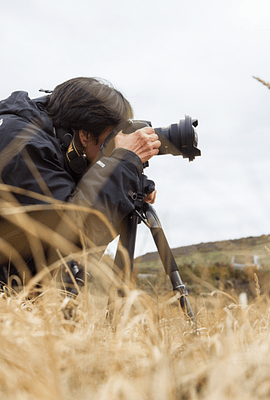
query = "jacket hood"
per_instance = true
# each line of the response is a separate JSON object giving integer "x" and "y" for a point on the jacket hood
{"x": 19, "y": 103}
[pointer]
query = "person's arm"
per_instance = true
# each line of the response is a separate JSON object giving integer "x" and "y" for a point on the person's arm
{"x": 107, "y": 185}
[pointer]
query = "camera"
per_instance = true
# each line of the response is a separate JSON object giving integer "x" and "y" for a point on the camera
{"x": 176, "y": 139}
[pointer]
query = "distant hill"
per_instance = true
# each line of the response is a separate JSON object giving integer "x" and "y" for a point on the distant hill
{"x": 222, "y": 250}
{"x": 207, "y": 266}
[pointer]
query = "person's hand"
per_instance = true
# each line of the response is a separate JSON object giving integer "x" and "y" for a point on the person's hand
{"x": 143, "y": 142}
{"x": 151, "y": 198}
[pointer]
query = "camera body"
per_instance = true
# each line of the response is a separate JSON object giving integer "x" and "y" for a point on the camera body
{"x": 176, "y": 139}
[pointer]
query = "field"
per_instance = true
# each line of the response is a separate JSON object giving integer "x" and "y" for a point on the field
{"x": 55, "y": 346}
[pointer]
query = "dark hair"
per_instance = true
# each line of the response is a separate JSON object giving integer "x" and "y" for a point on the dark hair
{"x": 90, "y": 104}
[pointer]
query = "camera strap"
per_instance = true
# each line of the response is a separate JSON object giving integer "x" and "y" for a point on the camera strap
{"x": 77, "y": 160}
{"x": 74, "y": 158}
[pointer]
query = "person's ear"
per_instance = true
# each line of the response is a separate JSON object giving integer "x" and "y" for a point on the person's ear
{"x": 84, "y": 137}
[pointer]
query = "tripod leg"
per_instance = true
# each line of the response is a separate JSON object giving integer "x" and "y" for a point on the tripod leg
{"x": 127, "y": 240}
{"x": 167, "y": 258}
{"x": 123, "y": 261}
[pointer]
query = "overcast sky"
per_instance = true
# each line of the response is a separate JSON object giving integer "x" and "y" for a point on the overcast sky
{"x": 170, "y": 59}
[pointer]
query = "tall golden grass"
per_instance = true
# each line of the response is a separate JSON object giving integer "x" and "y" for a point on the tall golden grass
{"x": 58, "y": 347}
{"x": 55, "y": 346}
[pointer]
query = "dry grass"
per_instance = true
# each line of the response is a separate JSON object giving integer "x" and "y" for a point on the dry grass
{"x": 262, "y": 81}
{"x": 56, "y": 347}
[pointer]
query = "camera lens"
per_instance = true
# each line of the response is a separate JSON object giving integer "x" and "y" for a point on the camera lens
{"x": 179, "y": 139}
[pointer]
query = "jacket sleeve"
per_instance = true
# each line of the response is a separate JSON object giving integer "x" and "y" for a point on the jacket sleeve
{"x": 106, "y": 187}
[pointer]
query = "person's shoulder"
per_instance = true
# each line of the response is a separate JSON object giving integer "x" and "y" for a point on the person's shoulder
{"x": 18, "y": 110}
{"x": 25, "y": 120}
{"x": 14, "y": 103}
{"x": 20, "y": 104}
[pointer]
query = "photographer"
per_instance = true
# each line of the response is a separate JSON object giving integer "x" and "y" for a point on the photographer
{"x": 52, "y": 146}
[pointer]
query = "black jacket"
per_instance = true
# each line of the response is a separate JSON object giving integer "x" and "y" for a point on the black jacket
{"x": 32, "y": 159}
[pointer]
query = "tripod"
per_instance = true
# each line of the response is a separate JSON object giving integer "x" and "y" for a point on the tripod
{"x": 146, "y": 213}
